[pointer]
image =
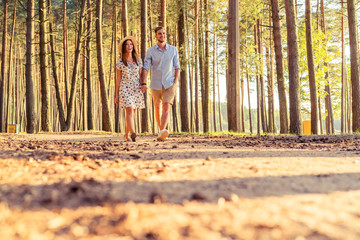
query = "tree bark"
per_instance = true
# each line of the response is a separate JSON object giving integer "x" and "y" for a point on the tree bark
{"x": 45, "y": 107}
{"x": 284, "y": 125}
{"x": 66, "y": 53}
{"x": 205, "y": 86}
{"x": 124, "y": 18}
{"x": 30, "y": 106}
{"x": 354, "y": 59}
{"x": 196, "y": 55}
{"x": 106, "y": 123}
{"x": 144, "y": 16}
{"x": 162, "y": 17}
{"x": 184, "y": 111}
{"x": 343, "y": 76}
{"x": 233, "y": 83}
{"x": 311, "y": 69}
{"x": 9, "y": 78}
{"x": 3, "y": 68}
{"x": 293, "y": 66}
{"x": 214, "y": 82}
{"x": 90, "y": 121}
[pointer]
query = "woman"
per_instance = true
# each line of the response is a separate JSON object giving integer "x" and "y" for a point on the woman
{"x": 128, "y": 89}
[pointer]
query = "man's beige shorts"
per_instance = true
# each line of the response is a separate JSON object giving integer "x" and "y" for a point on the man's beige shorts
{"x": 164, "y": 95}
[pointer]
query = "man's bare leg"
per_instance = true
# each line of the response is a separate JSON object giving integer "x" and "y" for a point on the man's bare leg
{"x": 157, "y": 115}
{"x": 165, "y": 115}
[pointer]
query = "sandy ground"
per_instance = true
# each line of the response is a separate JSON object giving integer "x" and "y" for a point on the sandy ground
{"x": 96, "y": 186}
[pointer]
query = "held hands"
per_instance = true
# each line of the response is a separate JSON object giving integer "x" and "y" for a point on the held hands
{"x": 144, "y": 88}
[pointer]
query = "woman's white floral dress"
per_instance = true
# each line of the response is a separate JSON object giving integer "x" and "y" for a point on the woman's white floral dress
{"x": 130, "y": 94}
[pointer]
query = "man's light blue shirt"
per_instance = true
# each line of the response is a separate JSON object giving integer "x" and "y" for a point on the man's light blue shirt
{"x": 162, "y": 65}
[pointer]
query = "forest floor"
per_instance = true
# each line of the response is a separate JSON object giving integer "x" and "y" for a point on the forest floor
{"x": 96, "y": 186}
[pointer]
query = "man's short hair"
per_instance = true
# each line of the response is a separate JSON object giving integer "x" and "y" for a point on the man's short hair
{"x": 158, "y": 28}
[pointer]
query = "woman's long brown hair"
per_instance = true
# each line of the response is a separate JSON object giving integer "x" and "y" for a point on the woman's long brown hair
{"x": 133, "y": 53}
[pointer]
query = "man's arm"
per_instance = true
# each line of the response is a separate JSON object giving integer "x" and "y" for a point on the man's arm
{"x": 143, "y": 80}
{"x": 176, "y": 65}
{"x": 177, "y": 73}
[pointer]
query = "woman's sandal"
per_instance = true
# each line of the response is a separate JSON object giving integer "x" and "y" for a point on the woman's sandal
{"x": 126, "y": 139}
{"x": 133, "y": 137}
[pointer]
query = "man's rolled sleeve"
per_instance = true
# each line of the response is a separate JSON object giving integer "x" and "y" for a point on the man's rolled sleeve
{"x": 176, "y": 63}
{"x": 147, "y": 61}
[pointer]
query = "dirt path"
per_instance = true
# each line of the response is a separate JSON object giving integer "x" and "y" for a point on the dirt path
{"x": 96, "y": 186}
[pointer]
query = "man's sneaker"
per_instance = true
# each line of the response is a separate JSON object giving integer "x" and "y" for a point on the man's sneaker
{"x": 163, "y": 134}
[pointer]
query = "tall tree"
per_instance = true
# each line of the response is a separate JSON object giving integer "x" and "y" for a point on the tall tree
{"x": 354, "y": 59}
{"x": 144, "y": 15}
{"x": 90, "y": 121}
{"x": 162, "y": 17}
{"x": 233, "y": 83}
{"x": 45, "y": 104}
{"x": 205, "y": 85}
{"x": 3, "y": 67}
{"x": 65, "y": 53}
{"x": 124, "y": 18}
{"x": 196, "y": 55}
{"x": 115, "y": 46}
{"x": 9, "y": 77}
{"x": 30, "y": 106}
{"x": 293, "y": 66}
{"x": 311, "y": 69}
{"x": 344, "y": 80}
{"x": 184, "y": 112}
{"x": 214, "y": 81}
{"x": 106, "y": 121}
{"x": 279, "y": 67}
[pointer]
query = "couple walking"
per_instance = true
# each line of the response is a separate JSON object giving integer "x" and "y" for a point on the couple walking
{"x": 163, "y": 60}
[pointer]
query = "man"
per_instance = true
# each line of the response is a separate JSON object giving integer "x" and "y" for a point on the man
{"x": 163, "y": 59}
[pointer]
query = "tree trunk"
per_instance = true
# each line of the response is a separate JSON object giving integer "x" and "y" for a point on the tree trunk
{"x": 258, "y": 89}
{"x": 233, "y": 83}
{"x": 184, "y": 112}
{"x": 196, "y": 55}
{"x": 354, "y": 58}
{"x": 124, "y": 18}
{"x": 9, "y": 78}
{"x": 279, "y": 67}
{"x": 261, "y": 79}
{"x": 293, "y": 65}
{"x": 106, "y": 123}
{"x": 311, "y": 69}
{"x": 45, "y": 107}
{"x": 90, "y": 121}
{"x": 344, "y": 90}
{"x": 162, "y": 17}
{"x": 115, "y": 47}
{"x": 30, "y": 106}
{"x": 205, "y": 86}
{"x": 214, "y": 82}
{"x": 218, "y": 89}
{"x": 3, "y": 68}
{"x": 144, "y": 16}
{"x": 66, "y": 53}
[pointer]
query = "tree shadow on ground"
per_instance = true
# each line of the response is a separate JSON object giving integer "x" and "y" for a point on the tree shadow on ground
{"x": 94, "y": 193}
